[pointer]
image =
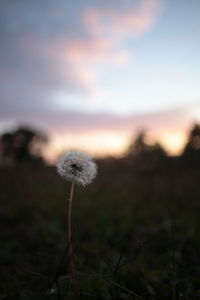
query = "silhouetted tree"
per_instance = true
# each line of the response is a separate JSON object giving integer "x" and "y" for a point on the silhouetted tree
{"x": 144, "y": 155}
{"x": 191, "y": 152}
{"x": 139, "y": 147}
{"x": 21, "y": 145}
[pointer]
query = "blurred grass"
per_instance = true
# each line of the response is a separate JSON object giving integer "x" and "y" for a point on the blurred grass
{"x": 134, "y": 234}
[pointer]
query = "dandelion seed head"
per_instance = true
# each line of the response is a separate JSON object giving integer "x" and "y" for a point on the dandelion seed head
{"x": 77, "y": 166}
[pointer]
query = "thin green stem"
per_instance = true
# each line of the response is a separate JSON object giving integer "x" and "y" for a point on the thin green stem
{"x": 69, "y": 223}
{"x": 69, "y": 239}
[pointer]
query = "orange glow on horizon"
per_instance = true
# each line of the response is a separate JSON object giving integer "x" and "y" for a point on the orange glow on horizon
{"x": 104, "y": 143}
{"x": 173, "y": 142}
{"x": 97, "y": 143}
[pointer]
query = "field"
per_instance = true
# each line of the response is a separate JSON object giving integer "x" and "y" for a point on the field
{"x": 135, "y": 234}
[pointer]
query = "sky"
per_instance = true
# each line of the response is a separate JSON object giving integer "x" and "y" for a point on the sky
{"x": 92, "y": 73}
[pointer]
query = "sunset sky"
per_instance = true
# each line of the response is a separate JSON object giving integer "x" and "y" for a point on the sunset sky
{"x": 91, "y": 73}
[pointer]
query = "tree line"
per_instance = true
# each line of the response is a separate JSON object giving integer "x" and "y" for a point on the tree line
{"x": 25, "y": 145}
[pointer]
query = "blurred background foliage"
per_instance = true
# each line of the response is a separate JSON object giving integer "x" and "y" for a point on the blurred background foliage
{"x": 135, "y": 229}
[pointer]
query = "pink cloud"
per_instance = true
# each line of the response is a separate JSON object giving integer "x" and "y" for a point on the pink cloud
{"x": 107, "y": 27}
{"x": 82, "y": 77}
{"x": 103, "y": 134}
{"x": 65, "y": 121}
{"x": 66, "y": 50}
{"x": 117, "y": 24}
{"x": 94, "y": 49}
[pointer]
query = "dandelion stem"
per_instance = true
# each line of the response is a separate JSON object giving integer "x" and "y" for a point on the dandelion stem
{"x": 69, "y": 240}
{"x": 69, "y": 222}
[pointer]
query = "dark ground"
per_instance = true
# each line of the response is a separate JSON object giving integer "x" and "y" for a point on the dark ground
{"x": 135, "y": 232}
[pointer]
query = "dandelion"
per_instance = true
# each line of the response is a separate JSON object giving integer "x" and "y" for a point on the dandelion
{"x": 79, "y": 168}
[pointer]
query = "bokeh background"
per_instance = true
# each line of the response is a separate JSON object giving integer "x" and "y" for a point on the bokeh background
{"x": 91, "y": 73}
{"x": 120, "y": 80}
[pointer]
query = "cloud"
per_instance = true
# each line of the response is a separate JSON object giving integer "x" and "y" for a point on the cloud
{"x": 101, "y": 133}
{"x": 73, "y": 122}
{"x": 52, "y": 46}
{"x": 129, "y": 20}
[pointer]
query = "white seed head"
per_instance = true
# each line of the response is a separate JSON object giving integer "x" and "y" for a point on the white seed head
{"x": 77, "y": 166}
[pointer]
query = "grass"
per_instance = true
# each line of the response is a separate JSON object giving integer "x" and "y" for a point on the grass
{"x": 136, "y": 235}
